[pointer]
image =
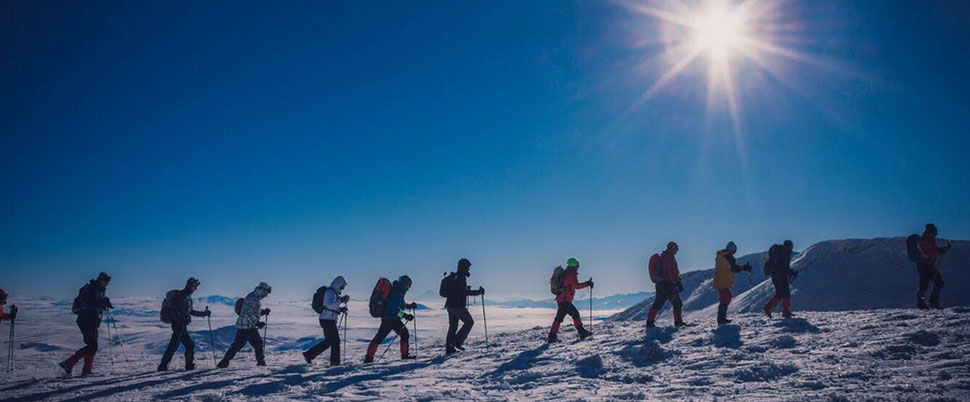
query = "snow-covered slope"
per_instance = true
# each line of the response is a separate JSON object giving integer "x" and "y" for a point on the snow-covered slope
{"x": 837, "y": 275}
{"x": 838, "y": 356}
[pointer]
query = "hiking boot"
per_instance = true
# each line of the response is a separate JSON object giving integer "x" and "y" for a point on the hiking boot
{"x": 786, "y": 314}
{"x": 552, "y": 338}
{"x": 408, "y": 357}
{"x": 723, "y": 322}
{"x": 583, "y": 334}
{"x": 223, "y": 365}
{"x": 449, "y": 352}
{"x": 307, "y": 358}
{"x": 682, "y": 324}
{"x": 189, "y": 366}
{"x": 368, "y": 359}
{"x": 651, "y": 324}
{"x": 162, "y": 368}
{"x": 935, "y": 305}
{"x": 459, "y": 347}
{"x": 261, "y": 364}
{"x": 921, "y": 304}
{"x": 67, "y": 368}
{"x": 767, "y": 311}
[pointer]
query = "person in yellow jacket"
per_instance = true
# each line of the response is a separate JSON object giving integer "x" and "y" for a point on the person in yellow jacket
{"x": 725, "y": 268}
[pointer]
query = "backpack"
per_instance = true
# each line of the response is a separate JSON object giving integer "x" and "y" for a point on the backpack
{"x": 555, "y": 283}
{"x": 378, "y": 298}
{"x": 447, "y": 285}
{"x": 239, "y": 305}
{"x": 656, "y": 268}
{"x": 167, "y": 312}
{"x": 912, "y": 247}
{"x": 772, "y": 259}
{"x": 317, "y": 302}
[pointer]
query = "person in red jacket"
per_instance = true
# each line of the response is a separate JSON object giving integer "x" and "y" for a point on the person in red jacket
{"x": 570, "y": 283}
{"x": 927, "y": 267}
{"x": 13, "y": 309}
{"x": 668, "y": 286}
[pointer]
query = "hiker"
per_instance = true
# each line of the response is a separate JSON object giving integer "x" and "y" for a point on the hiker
{"x": 456, "y": 290}
{"x": 564, "y": 300}
{"x": 88, "y": 305}
{"x": 666, "y": 276}
{"x": 725, "y": 268}
{"x": 778, "y": 267}
{"x": 248, "y": 326}
{"x": 13, "y": 309}
{"x": 391, "y": 319}
{"x": 928, "y": 269}
{"x": 180, "y": 315}
{"x": 330, "y": 311}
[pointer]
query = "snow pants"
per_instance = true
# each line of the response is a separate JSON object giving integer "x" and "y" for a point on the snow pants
{"x": 386, "y": 327}
{"x": 243, "y": 336}
{"x": 89, "y": 331}
{"x": 782, "y": 287}
{"x": 180, "y": 334}
{"x": 927, "y": 274}
{"x": 665, "y": 291}
{"x": 457, "y": 336}
{"x": 566, "y": 308}
{"x": 724, "y": 300}
{"x": 331, "y": 339}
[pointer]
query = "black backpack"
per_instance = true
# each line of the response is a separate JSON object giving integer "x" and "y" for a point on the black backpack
{"x": 912, "y": 247}
{"x": 239, "y": 305}
{"x": 317, "y": 303}
{"x": 167, "y": 312}
{"x": 447, "y": 285}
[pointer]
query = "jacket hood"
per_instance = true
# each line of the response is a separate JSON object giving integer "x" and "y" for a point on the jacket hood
{"x": 263, "y": 289}
{"x": 338, "y": 284}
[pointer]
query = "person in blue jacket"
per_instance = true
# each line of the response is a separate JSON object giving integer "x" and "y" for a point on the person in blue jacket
{"x": 391, "y": 320}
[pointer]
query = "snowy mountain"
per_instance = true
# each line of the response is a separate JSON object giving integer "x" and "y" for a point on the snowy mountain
{"x": 837, "y": 275}
{"x": 614, "y": 302}
{"x": 845, "y": 356}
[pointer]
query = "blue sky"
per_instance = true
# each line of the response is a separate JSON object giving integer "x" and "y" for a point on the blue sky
{"x": 242, "y": 142}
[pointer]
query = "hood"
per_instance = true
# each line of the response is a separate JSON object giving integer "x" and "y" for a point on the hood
{"x": 263, "y": 289}
{"x": 338, "y": 284}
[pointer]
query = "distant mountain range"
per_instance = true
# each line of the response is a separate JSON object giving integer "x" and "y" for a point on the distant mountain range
{"x": 615, "y": 302}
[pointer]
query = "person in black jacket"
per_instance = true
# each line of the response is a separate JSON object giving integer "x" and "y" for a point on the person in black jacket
{"x": 778, "y": 267}
{"x": 182, "y": 313}
{"x": 88, "y": 305}
{"x": 457, "y": 305}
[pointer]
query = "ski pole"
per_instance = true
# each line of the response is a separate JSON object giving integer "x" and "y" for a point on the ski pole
{"x": 111, "y": 349}
{"x": 414, "y": 323}
{"x": 344, "y": 357}
{"x": 10, "y": 345}
{"x": 265, "y": 329}
{"x": 212, "y": 342}
{"x": 118, "y": 335}
{"x": 591, "y": 305}
{"x": 485, "y": 322}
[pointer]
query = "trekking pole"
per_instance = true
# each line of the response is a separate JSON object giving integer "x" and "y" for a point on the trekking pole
{"x": 591, "y": 304}
{"x": 485, "y": 322}
{"x": 265, "y": 329}
{"x": 212, "y": 342}
{"x": 10, "y": 345}
{"x": 414, "y": 324}
{"x": 344, "y": 357}
{"x": 117, "y": 335}
{"x": 111, "y": 349}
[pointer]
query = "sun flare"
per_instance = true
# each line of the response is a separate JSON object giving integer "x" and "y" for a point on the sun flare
{"x": 718, "y": 30}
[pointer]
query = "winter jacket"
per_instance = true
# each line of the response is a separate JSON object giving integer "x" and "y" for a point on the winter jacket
{"x": 331, "y": 299}
{"x": 249, "y": 316}
{"x": 93, "y": 302}
{"x": 570, "y": 283}
{"x": 458, "y": 295}
{"x": 928, "y": 250}
{"x": 725, "y": 268}
{"x": 182, "y": 309}
{"x": 670, "y": 271}
{"x": 3, "y": 315}
{"x": 395, "y": 302}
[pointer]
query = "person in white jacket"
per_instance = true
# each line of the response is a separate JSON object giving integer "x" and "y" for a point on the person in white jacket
{"x": 248, "y": 325}
{"x": 328, "y": 321}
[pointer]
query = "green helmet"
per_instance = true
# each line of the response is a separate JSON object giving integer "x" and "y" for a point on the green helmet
{"x": 572, "y": 262}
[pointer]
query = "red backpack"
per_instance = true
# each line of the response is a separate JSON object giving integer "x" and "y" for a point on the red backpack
{"x": 656, "y": 268}
{"x": 378, "y": 298}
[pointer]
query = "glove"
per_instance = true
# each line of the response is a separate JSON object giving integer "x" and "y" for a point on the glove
{"x": 206, "y": 313}
{"x": 342, "y": 310}
{"x": 13, "y": 313}
{"x": 106, "y": 304}
{"x": 344, "y": 299}
{"x": 260, "y": 325}
{"x": 413, "y": 305}
{"x": 481, "y": 290}
{"x": 746, "y": 267}
{"x": 680, "y": 287}
{"x": 407, "y": 316}
{"x": 590, "y": 283}
{"x": 264, "y": 312}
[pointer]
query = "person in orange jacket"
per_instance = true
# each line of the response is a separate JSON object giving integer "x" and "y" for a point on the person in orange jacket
{"x": 725, "y": 268}
{"x": 570, "y": 283}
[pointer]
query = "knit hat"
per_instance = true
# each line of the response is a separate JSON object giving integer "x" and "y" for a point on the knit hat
{"x": 731, "y": 247}
{"x": 104, "y": 277}
{"x": 404, "y": 280}
{"x": 930, "y": 228}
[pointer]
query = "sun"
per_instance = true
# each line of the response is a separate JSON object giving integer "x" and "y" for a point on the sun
{"x": 717, "y": 30}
